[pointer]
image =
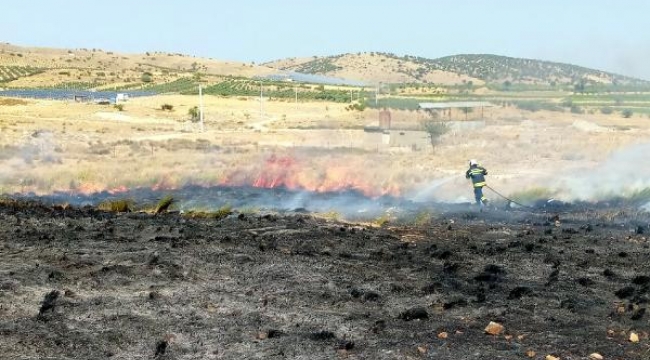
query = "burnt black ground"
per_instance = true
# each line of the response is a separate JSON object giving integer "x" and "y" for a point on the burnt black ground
{"x": 135, "y": 286}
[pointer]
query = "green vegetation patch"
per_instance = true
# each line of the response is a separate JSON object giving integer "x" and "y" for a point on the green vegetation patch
{"x": 117, "y": 205}
{"x": 531, "y": 195}
{"x": 318, "y": 66}
{"x": 164, "y": 204}
{"x": 275, "y": 90}
{"x": 11, "y": 73}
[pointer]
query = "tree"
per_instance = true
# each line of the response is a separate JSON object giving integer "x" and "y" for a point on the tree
{"x": 579, "y": 87}
{"x": 627, "y": 113}
{"x": 147, "y": 77}
{"x": 575, "y": 109}
{"x": 606, "y": 110}
{"x": 193, "y": 112}
{"x": 434, "y": 129}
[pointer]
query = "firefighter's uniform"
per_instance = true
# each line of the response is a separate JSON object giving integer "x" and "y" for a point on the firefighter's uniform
{"x": 477, "y": 174}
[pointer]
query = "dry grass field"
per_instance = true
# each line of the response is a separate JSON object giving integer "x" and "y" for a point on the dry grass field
{"x": 83, "y": 147}
{"x": 180, "y": 256}
{"x": 321, "y": 145}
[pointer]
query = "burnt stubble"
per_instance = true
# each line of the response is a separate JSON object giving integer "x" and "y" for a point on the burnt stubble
{"x": 85, "y": 284}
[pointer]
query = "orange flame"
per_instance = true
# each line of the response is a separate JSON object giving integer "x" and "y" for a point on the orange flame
{"x": 276, "y": 171}
{"x": 165, "y": 183}
{"x": 285, "y": 171}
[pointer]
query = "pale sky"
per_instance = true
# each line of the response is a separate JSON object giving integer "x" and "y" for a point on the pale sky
{"x": 610, "y": 35}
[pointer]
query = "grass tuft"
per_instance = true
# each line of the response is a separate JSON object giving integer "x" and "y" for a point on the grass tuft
{"x": 219, "y": 214}
{"x": 382, "y": 220}
{"x": 164, "y": 204}
{"x": 637, "y": 196}
{"x": 531, "y": 195}
{"x": 119, "y": 205}
{"x": 16, "y": 204}
{"x": 422, "y": 218}
{"x": 330, "y": 215}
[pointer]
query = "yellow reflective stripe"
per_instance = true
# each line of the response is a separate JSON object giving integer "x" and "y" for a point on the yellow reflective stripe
{"x": 480, "y": 184}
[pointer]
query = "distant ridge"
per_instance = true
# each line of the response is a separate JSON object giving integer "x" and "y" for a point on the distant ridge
{"x": 478, "y": 68}
{"x": 37, "y": 67}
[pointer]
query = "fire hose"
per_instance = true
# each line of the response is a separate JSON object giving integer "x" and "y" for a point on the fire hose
{"x": 506, "y": 198}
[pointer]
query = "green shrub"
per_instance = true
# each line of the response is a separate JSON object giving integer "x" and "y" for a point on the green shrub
{"x": 146, "y": 77}
{"x": 567, "y": 103}
{"x": 356, "y": 106}
{"x": 167, "y": 107}
{"x": 606, "y": 110}
{"x": 576, "y": 109}
{"x": 627, "y": 113}
{"x": 534, "y": 106}
{"x": 435, "y": 129}
{"x": 193, "y": 112}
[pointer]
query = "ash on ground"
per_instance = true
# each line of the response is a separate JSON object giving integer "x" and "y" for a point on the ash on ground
{"x": 293, "y": 285}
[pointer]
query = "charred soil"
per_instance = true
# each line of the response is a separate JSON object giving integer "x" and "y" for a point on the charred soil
{"x": 84, "y": 284}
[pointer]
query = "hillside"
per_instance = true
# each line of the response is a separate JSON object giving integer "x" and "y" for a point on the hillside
{"x": 372, "y": 68}
{"x": 94, "y": 68}
{"x": 29, "y": 67}
{"x": 456, "y": 69}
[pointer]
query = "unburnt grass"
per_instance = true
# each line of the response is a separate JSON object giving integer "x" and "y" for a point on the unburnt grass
{"x": 211, "y": 214}
{"x": 117, "y": 205}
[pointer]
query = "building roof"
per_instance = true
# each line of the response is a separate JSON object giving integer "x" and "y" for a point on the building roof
{"x": 455, "y": 104}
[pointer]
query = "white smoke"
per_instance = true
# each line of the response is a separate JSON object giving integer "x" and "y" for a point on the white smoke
{"x": 624, "y": 173}
{"x": 33, "y": 150}
{"x": 646, "y": 207}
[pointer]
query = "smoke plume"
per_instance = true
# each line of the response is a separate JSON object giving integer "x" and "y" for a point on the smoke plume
{"x": 624, "y": 174}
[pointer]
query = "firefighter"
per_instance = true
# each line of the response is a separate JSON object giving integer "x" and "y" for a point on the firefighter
{"x": 477, "y": 174}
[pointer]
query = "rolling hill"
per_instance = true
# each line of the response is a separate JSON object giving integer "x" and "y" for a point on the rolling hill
{"x": 457, "y": 69}
{"x": 28, "y": 67}
{"x": 94, "y": 68}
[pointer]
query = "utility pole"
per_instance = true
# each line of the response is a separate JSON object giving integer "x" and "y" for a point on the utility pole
{"x": 201, "y": 107}
{"x": 296, "y": 89}
{"x": 261, "y": 101}
{"x": 376, "y": 91}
